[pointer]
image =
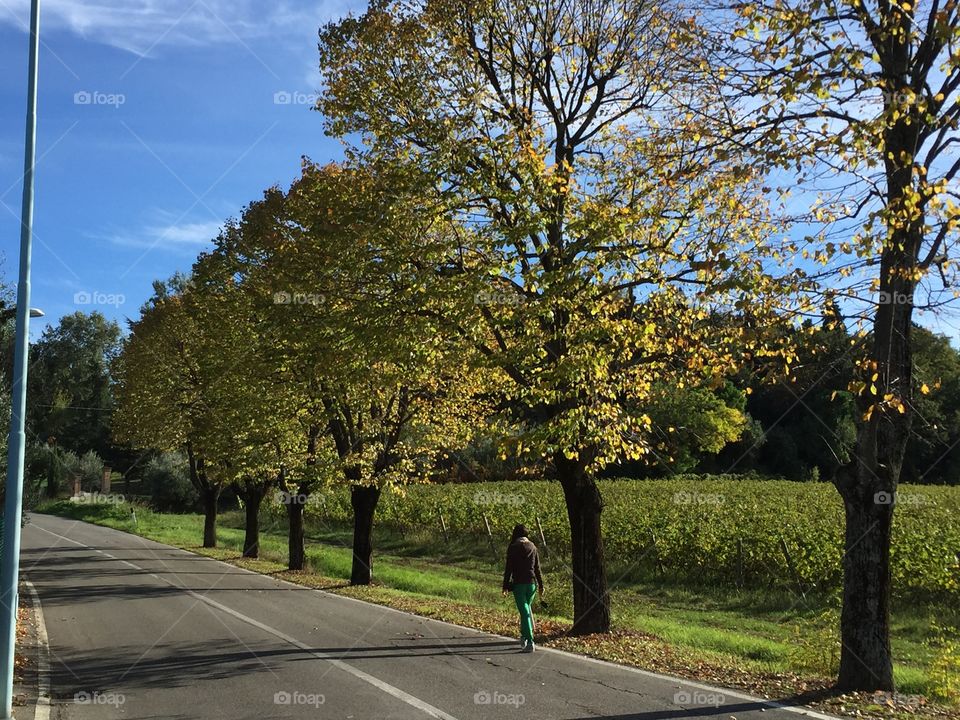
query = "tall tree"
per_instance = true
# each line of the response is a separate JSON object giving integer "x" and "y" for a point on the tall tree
{"x": 246, "y": 255}
{"x": 932, "y": 455}
{"x": 857, "y": 100}
{"x": 70, "y": 383}
{"x": 372, "y": 384}
{"x": 174, "y": 381}
{"x": 260, "y": 439}
{"x": 6, "y": 363}
{"x": 584, "y": 235}
{"x": 808, "y": 418}
{"x": 691, "y": 424}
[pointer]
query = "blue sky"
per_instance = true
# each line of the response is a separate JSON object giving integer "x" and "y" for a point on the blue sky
{"x": 158, "y": 120}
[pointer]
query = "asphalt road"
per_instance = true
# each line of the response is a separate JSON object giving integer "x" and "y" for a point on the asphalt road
{"x": 143, "y": 630}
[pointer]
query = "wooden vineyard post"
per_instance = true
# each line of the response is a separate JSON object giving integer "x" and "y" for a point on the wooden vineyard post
{"x": 740, "y": 579}
{"x": 792, "y": 567}
{"x": 493, "y": 547}
{"x": 443, "y": 525}
{"x": 656, "y": 553}
{"x": 543, "y": 539}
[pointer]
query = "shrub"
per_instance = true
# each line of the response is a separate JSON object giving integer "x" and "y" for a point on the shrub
{"x": 48, "y": 470}
{"x": 167, "y": 479}
{"x": 91, "y": 471}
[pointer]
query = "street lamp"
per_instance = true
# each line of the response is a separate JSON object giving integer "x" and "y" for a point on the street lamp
{"x": 10, "y": 313}
{"x": 13, "y": 505}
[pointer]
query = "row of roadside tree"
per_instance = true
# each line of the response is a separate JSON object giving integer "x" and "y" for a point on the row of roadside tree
{"x": 546, "y": 214}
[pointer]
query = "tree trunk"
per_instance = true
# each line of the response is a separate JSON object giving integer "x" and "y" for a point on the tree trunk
{"x": 869, "y": 486}
{"x": 591, "y": 601}
{"x": 211, "y": 496}
{"x": 296, "y": 552}
{"x": 53, "y": 477}
{"x": 364, "y": 501}
{"x": 252, "y": 499}
{"x": 865, "y": 659}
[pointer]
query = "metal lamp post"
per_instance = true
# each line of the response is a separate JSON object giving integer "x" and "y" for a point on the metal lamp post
{"x": 13, "y": 506}
{"x": 11, "y": 313}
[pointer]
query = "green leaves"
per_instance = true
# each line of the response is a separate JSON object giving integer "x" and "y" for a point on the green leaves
{"x": 70, "y": 389}
{"x": 580, "y": 233}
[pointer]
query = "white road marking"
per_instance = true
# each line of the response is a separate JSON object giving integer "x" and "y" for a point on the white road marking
{"x": 676, "y": 681}
{"x": 42, "y": 711}
{"x": 396, "y": 692}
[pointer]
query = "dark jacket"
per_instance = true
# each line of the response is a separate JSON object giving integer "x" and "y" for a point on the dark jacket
{"x": 523, "y": 564}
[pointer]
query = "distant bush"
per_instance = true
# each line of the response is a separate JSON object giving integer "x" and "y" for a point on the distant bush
{"x": 70, "y": 468}
{"x": 48, "y": 470}
{"x": 167, "y": 480}
{"x": 37, "y": 465}
{"x": 91, "y": 471}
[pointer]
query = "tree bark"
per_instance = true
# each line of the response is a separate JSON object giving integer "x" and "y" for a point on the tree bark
{"x": 364, "y": 501}
{"x": 869, "y": 487}
{"x": 591, "y": 600}
{"x": 210, "y": 497}
{"x": 209, "y": 492}
{"x": 296, "y": 552}
{"x": 252, "y": 500}
{"x": 866, "y": 662}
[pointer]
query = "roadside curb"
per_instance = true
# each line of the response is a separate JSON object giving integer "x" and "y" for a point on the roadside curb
{"x": 42, "y": 709}
{"x": 32, "y": 685}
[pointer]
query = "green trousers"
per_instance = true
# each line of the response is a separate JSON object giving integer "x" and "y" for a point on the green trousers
{"x": 524, "y": 593}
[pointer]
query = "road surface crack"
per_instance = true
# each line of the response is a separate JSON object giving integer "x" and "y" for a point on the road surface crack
{"x": 601, "y": 682}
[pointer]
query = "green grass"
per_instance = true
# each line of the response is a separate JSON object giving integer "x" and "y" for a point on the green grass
{"x": 770, "y": 630}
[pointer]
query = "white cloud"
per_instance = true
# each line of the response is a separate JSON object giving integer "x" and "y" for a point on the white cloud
{"x": 143, "y": 26}
{"x": 188, "y": 234}
{"x": 187, "y": 237}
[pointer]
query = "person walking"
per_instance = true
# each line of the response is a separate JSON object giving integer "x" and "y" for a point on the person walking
{"x": 523, "y": 568}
